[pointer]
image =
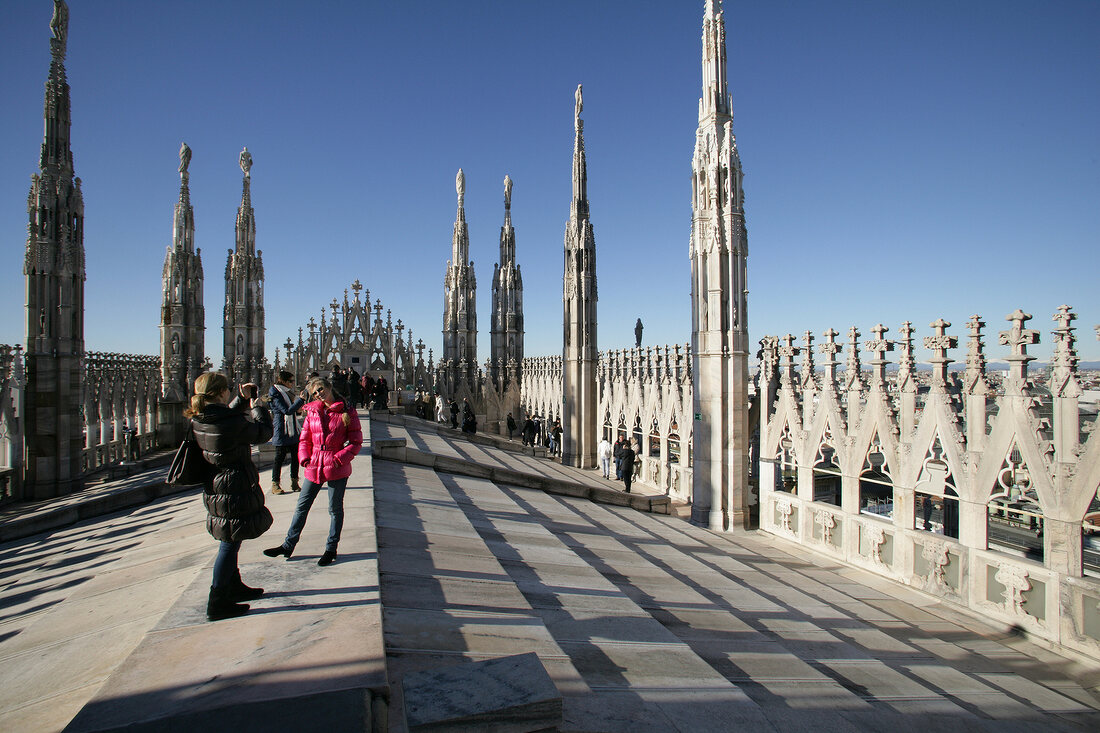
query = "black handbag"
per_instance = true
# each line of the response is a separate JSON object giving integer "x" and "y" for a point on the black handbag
{"x": 188, "y": 466}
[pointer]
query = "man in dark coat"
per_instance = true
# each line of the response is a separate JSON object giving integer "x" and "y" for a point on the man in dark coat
{"x": 627, "y": 460}
{"x": 529, "y": 431}
{"x": 511, "y": 425}
{"x": 617, "y": 454}
{"x": 454, "y": 414}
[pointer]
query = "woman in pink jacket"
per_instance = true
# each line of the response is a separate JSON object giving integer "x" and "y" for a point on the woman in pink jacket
{"x": 330, "y": 438}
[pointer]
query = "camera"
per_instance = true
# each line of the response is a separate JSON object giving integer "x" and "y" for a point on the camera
{"x": 253, "y": 392}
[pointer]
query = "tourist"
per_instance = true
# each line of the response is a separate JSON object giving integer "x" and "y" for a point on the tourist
{"x": 367, "y": 389}
{"x": 381, "y": 394}
{"x": 440, "y": 407}
{"x": 454, "y": 415}
{"x": 618, "y": 455}
{"x": 331, "y": 438}
{"x": 339, "y": 381}
{"x": 354, "y": 393}
{"x": 469, "y": 420}
{"x": 233, "y": 498}
{"x": 540, "y": 439}
{"x": 627, "y": 460}
{"x": 284, "y": 409}
{"x": 636, "y": 448}
{"x": 511, "y": 426}
{"x": 603, "y": 452}
{"x": 555, "y": 438}
{"x": 529, "y": 431}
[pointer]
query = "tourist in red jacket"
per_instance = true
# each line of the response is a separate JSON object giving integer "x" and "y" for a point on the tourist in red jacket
{"x": 331, "y": 437}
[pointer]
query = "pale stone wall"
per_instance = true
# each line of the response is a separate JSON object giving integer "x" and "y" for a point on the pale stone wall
{"x": 850, "y": 463}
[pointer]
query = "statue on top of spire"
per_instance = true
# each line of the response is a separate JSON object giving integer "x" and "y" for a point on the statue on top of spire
{"x": 59, "y": 24}
{"x": 185, "y": 157}
{"x": 507, "y": 191}
{"x": 246, "y": 162}
{"x": 460, "y": 186}
{"x": 579, "y": 106}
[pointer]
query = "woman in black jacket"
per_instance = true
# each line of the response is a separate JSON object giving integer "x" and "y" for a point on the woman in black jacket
{"x": 233, "y": 498}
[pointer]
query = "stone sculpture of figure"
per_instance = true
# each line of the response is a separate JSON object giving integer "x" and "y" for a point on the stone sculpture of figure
{"x": 507, "y": 191}
{"x": 638, "y": 333}
{"x": 185, "y": 157}
{"x": 246, "y": 161}
{"x": 59, "y": 24}
{"x": 579, "y": 106}
{"x": 460, "y": 186}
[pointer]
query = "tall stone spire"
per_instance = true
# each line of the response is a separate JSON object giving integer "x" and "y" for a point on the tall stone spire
{"x": 719, "y": 341}
{"x": 54, "y": 270}
{"x": 460, "y": 297}
{"x": 579, "y": 357}
{"x": 507, "y": 326}
{"x": 243, "y": 347}
{"x": 182, "y": 315}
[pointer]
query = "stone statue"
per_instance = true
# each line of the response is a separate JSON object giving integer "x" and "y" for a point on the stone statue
{"x": 638, "y": 333}
{"x": 579, "y": 105}
{"x": 507, "y": 191}
{"x": 460, "y": 186}
{"x": 185, "y": 157}
{"x": 59, "y": 24}
{"x": 246, "y": 162}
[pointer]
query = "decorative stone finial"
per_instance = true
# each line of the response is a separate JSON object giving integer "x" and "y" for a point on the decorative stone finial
{"x": 185, "y": 158}
{"x": 59, "y": 25}
{"x": 246, "y": 163}
{"x": 460, "y": 186}
{"x": 579, "y": 106}
{"x": 507, "y": 192}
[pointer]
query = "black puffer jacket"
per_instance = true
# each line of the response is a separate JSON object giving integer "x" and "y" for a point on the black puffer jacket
{"x": 233, "y": 498}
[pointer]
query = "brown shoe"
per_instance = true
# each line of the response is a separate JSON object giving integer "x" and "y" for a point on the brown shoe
{"x": 276, "y": 489}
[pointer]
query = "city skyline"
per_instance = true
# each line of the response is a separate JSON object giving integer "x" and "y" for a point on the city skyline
{"x": 865, "y": 162}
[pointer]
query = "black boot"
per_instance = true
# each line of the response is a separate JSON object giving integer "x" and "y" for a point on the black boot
{"x": 241, "y": 592}
{"x": 280, "y": 550}
{"x": 221, "y": 605}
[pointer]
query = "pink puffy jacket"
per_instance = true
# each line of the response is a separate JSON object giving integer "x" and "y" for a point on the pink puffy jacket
{"x": 326, "y": 446}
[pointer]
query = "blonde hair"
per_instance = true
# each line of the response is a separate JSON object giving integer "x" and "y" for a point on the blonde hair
{"x": 322, "y": 382}
{"x": 208, "y": 387}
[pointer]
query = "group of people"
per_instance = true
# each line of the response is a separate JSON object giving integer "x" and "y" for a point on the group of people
{"x": 532, "y": 433}
{"x": 226, "y": 423}
{"x": 625, "y": 455}
{"x": 360, "y": 391}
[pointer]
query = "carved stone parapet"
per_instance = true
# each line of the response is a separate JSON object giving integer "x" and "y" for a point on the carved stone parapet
{"x": 827, "y": 521}
{"x": 1016, "y": 582}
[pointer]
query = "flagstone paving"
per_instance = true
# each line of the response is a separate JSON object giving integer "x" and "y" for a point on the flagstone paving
{"x": 643, "y": 621}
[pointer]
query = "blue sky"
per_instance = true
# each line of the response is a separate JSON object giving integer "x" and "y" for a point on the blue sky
{"x": 903, "y": 160}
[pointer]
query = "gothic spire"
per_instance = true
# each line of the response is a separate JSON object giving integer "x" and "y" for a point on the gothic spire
{"x": 57, "y": 157}
{"x": 460, "y": 241}
{"x": 183, "y": 225}
{"x": 579, "y": 209}
{"x": 246, "y": 218}
{"x": 507, "y": 233}
{"x": 716, "y": 97}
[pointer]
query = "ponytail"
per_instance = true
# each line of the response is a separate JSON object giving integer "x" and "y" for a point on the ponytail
{"x": 208, "y": 387}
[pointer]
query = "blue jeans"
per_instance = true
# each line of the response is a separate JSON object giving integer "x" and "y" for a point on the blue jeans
{"x": 335, "y": 510}
{"x": 605, "y": 464}
{"x": 225, "y": 564}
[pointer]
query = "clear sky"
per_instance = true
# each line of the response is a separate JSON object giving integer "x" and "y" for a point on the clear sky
{"x": 903, "y": 160}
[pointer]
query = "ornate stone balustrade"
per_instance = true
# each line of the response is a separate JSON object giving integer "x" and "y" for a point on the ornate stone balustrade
{"x": 121, "y": 393}
{"x": 970, "y": 484}
{"x": 643, "y": 393}
{"x": 12, "y": 382}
